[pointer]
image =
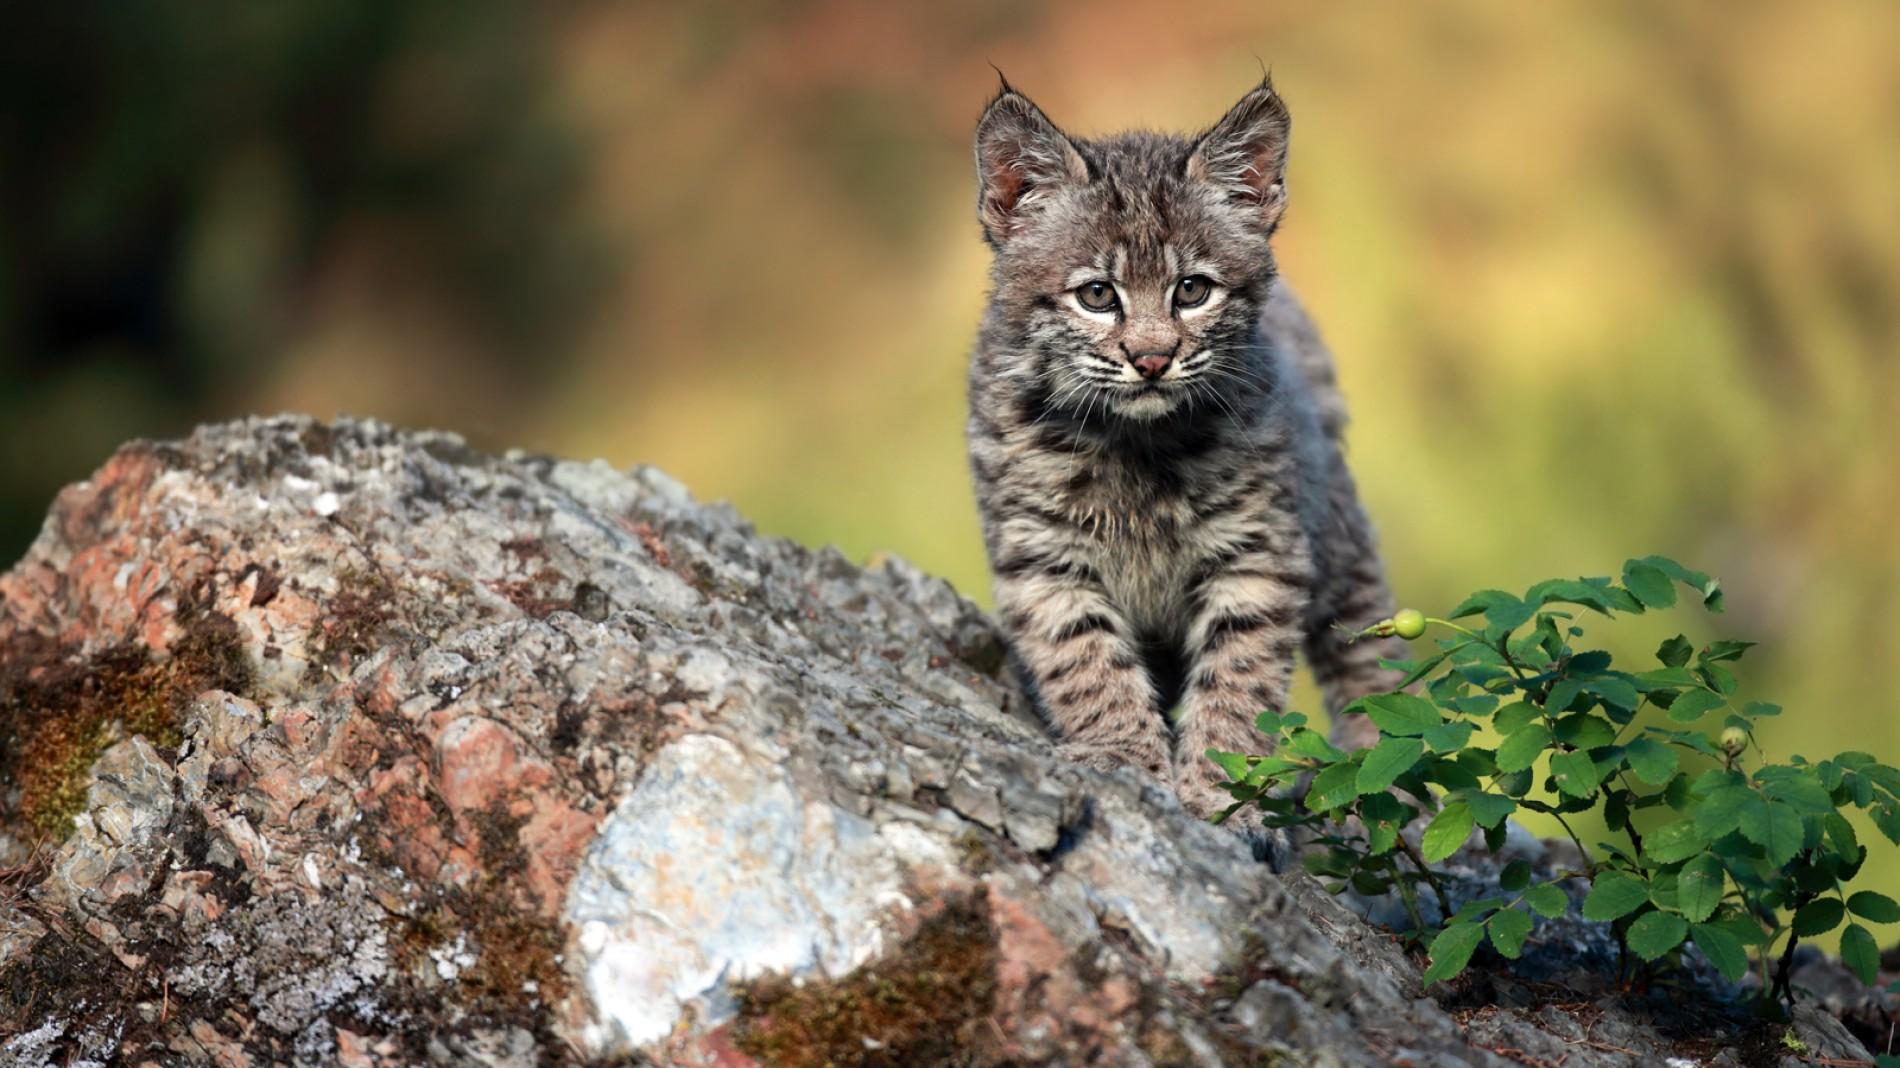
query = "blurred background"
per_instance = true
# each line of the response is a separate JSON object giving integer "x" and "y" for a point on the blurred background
{"x": 1604, "y": 279}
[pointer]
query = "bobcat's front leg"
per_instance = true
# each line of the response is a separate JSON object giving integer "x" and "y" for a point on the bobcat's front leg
{"x": 1078, "y": 653}
{"x": 1248, "y": 622}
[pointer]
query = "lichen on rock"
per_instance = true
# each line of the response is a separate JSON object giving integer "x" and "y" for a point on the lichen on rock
{"x": 337, "y": 744}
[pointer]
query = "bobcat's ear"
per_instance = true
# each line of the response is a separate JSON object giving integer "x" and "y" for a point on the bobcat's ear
{"x": 1244, "y": 154}
{"x": 1020, "y": 158}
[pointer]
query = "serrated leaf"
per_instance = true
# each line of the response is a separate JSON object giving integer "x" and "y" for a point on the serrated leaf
{"x": 1478, "y": 602}
{"x": 1877, "y": 907}
{"x": 1562, "y": 694}
{"x": 1547, "y": 899}
{"x": 1699, "y": 888}
{"x": 1652, "y": 761}
{"x": 1723, "y": 949}
{"x": 1584, "y": 731}
{"x": 1724, "y": 650}
{"x": 1758, "y": 709}
{"x": 1675, "y": 841}
{"x": 1819, "y": 916}
{"x": 1650, "y": 585}
{"x": 1576, "y": 774}
{"x": 1514, "y": 716}
{"x": 1692, "y": 705}
{"x": 1722, "y": 810}
{"x": 1234, "y": 764}
{"x": 1312, "y": 745}
{"x": 1521, "y": 749}
{"x": 1656, "y": 933}
{"x": 1448, "y": 737}
{"x": 1402, "y": 714}
{"x": 1509, "y": 928}
{"x": 1388, "y": 760}
{"x": 1859, "y": 953}
{"x": 1615, "y": 690}
{"x": 1799, "y": 787}
{"x": 1840, "y": 834}
{"x": 1509, "y": 615}
{"x": 1447, "y": 831}
{"x": 1452, "y": 950}
{"x": 1675, "y": 652}
{"x": 1332, "y": 787}
{"x": 1776, "y": 828}
{"x": 1613, "y": 896}
{"x": 1268, "y": 722}
{"x": 1488, "y": 810}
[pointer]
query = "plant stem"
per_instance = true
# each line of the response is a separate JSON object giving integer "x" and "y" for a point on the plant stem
{"x": 1444, "y": 903}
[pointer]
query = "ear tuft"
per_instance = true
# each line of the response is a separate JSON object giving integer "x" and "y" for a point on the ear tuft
{"x": 1020, "y": 157}
{"x": 1245, "y": 154}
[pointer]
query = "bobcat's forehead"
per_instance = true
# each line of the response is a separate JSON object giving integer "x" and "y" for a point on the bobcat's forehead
{"x": 1140, "y": 221}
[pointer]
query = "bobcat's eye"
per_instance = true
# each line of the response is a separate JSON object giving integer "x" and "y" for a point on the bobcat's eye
{"x": 1191, "y": 292}
{"x": 1096, "y": 296}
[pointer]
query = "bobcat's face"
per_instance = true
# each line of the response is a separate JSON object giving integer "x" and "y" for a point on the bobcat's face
{"x": 1130, "y": 270}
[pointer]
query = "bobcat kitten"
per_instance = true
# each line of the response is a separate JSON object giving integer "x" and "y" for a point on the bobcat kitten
{"x": 1155, "y": 437}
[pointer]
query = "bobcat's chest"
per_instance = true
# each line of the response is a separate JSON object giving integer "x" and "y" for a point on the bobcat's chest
{"x": 1143, "y": 544}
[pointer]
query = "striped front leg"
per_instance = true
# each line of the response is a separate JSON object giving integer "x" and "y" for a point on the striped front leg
{"x": 1241, "y": 644}
{"x": 1079, "y": 656}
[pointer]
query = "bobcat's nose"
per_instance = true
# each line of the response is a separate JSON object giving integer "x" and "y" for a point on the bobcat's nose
{"x": 1151, "y": 364}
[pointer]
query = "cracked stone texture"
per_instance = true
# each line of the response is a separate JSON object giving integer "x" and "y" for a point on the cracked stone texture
{"x": 512, "y": 761}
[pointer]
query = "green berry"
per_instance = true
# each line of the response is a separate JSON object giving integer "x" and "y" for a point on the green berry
{"x": 1734, "y": 739}
{"x": 1408, "y": 623}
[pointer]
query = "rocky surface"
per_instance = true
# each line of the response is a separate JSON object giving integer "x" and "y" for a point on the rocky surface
{"x": 331, "y": 744}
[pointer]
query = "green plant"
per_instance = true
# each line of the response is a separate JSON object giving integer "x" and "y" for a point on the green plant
{"x": 1718, "y": 847}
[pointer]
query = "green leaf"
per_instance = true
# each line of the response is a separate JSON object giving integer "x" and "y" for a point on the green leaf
{"x": 1799, "y": 787}
{"x": 1402, "y": 714}
{"x": 1448, "y": 737}
{"x": 1722, "y": 948}
{"x": 1514, "y": 716}
{"x": 1709, "y": 589}
{"x": 1652, "y": 761}
{"x": 1693, "y": 704}
{"x": 1613, "y": 896}
{"x": 1452, "y": 950}
{"x": 1675, "y": 652}
{"x": 1334, "y": 786}
{"x": 1509, "y": 928}
{"x": 1584, "y": 731}
{"x": 1447, "y": 831}
{"x": 1548, "y": 899}
{"x": 1479, "y": 602}
{"x": 1234, "y": 764}
{"x": 1388, "y": 760}
{"x": 1268, "y": 722}
{"x": 1819, "y": 916}
{"x": 1879, "y": 908}
{"x": 1722, "y": 810}
{"x": 1841, "y": 834}
{"x": 1724, "y": 650}
{"x": 1509, "y": 615}
{"x": 1650, "y": 585}
{"x": 1312, "y": 745}
{"x": 1758, "y": 709}
{"x": 1656, "y": 933}
{"x": 1521, "y": 749}
{"x": 1615, "y": 690}
{"x": 1699, "y": 888}
{"x": 1563, "y": 693}
{"x": 1487, "y": 809}
{"x": 1576, "y": 774}
{"x": 1776, "y": 828}
{"x": 1675, "y": 841}
{"x": 1859, "y": 952}
{"x": 1515, "y": 876}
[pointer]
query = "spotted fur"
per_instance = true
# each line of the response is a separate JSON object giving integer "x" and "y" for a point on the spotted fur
{"x": 1174, "y": 538}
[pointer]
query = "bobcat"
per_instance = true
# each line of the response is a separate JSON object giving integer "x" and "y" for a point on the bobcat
{"x": 1155, "y": 435}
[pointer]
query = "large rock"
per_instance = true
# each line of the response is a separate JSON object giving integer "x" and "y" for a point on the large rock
{"x": 335, "y": 744}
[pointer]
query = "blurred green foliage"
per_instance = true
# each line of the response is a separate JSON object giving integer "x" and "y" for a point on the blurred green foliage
{"x": 1637, "y": 262}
